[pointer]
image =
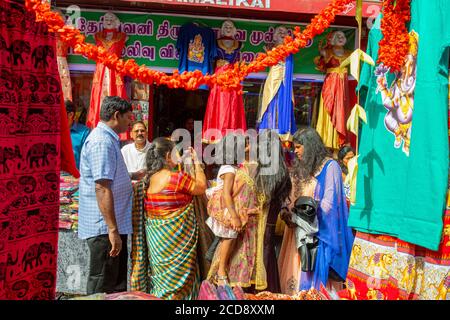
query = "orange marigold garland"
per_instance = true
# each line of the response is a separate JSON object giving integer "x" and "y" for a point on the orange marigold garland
{"x": 393, "y": 48}
{"x": 231, "y": 79}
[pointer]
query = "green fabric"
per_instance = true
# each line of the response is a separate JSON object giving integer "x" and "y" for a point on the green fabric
{"x": 379, "y": 163}
{"x": 397, "y": 194}
{"x": 427, "y": 185}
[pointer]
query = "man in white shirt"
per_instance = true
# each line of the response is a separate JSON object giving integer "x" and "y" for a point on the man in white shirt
{"x": 134, "y": 153}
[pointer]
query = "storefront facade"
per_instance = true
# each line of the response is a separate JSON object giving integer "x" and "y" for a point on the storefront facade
{"x": 151, "y": 41}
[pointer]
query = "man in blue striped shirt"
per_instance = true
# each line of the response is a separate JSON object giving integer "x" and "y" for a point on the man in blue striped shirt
{"x": 105, "y": 199}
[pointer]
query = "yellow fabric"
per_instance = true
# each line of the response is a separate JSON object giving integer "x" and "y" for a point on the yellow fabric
{"x": 350, "y": 179}
{"x": 279, "y": 227}
{"x": 286, "y": 137}
{"x": 261, "y": 274}
{"x": 271, "y": 87}
{"x": 357, "y": 113}
{"x": 354, "y": 59}
{"x": 326, "y": 129}
{"x": 340, "y": 70}
{"x": 358, "y": 13}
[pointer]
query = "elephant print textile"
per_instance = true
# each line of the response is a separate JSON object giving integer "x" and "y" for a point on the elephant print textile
{"x": 28, "y": 183}
{"x": 17, "y": 48}
{"x": 4, "y": 266}
{"x": 30, "y": 160}
{"x": 3, "y": 45}
{"x": 33, "y": 254}
{"x": 10, "y": 80}
{"x": 21, "y": 288}
{"x": 40, "y": 54}
{"x": 40, "y": 151}
{"x": 7, "y": 153}
{"x": 47, "y": 279}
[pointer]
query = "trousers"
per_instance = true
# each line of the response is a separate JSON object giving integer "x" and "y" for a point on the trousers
{"x": 106, "y": 274}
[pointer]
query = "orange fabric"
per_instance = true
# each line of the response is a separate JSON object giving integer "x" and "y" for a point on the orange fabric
{"x": 423, "y": 272}
{"x": 353, "y": 99}
{"x": 289, "y": 263}
{"x": 175, "y": 195}
{"x": 114, "y": 87}
{"x": 335, "y": 95}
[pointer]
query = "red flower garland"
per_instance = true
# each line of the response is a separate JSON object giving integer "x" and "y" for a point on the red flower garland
{"x": 395, "y": 44}
{"x": 231, "y": 79}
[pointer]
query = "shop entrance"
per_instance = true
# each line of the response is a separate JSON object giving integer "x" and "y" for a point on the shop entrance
{"x": 173, "y": 106}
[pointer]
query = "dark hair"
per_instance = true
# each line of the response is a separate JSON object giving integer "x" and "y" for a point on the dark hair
{"x": 138, "y": 122}
{"x": 341, "y": 155}
{"x": 276, "y": 187}
{"x": 230, "y": 149}
{"x": 165, "y": 127}
{"x": 343, "y": 152}
{"x": 314, "y": 153}
{"x": 156, "y": 155}
{"x": 111, "y": 104}
{"x": 70, "y": 106}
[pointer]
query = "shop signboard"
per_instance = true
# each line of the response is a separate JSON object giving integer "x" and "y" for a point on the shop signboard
{"x": 152, "y": 38}
{"x": 370, "y": 8}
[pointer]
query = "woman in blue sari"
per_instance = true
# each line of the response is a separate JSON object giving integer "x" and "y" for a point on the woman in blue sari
{"x": 322, "y": 175}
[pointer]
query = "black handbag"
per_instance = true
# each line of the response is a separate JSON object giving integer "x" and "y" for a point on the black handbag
{"x": 306, "y": 209}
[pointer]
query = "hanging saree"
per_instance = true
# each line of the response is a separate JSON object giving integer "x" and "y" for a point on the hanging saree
{"x": 225, "y": 108}
{"x": 277, "y": 107}
{"x": 107, "y": 82}
{"x": 335, "y": 237}
{"x": 246, "y": 264}
{"x": 334, "y": 102}
{"x": 384, "y": 267}
{"x": 164, "y": 247}
{"x": 403, "y": 151}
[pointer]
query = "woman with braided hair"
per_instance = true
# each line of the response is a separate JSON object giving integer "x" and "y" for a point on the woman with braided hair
{"x": 165, "y": 235}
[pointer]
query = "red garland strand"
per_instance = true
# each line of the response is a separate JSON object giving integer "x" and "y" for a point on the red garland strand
{"x": 231, "y": 79}
{"x": 394, "y": 46}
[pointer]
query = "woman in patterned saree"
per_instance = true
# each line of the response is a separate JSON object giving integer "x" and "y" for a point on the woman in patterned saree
{"x": 165, "y": 236}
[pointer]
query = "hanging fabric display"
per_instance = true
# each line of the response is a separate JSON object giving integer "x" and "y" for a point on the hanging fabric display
{"x": 196, "y": 46}
{"x": 107, "y": 82}
{"x": 277, "y": 106}
{"x": 225, "y": 108}
{"x": 384, "y": 267}
{"x": 398, "y": 152}
{"x": 334, "y": 100}
{"x": 30, "y": 110}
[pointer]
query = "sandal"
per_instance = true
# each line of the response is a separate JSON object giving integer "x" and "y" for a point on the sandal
{"x": 223, "y": 279}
